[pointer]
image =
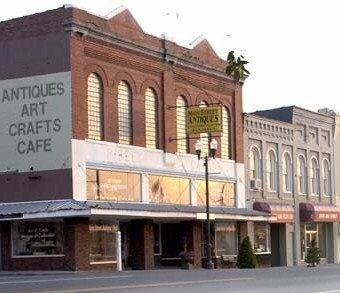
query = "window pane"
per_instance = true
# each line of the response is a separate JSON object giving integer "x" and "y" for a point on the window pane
{"x": 182, "y": 141}
{"x": 169, "y": 190}
{"x": 261, "y": 237}
{"x": 110, "y": 185}
{"x": 95, "y": 107}
{"x": 220, "y": 193}
{"x": 226, "y": 239}
{"x": 151, "y": 125}
{"x": 124, "y": 113}
{"x": 225, "y": 139}
{"x": 102, "y": 242}
{"x": 37, "y": 238}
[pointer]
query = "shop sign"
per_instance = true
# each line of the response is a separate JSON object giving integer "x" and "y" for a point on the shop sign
{"x": 102, "y": 228}
{"x": 326, "y": 216}
{"x": 35, "y": 117}
{"x": 284, "y": 217}
{"x": 204, "y": 120}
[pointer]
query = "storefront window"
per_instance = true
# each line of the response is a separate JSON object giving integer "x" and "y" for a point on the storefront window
{"x": 261, "y": 237}
{"x": 313, "y": 231}
{"x": 157, "y": 239}
{"x": 220, "y": 193}
{"x": 172, "y": 190}
{"x": 110, "y": 185}
{"x": 225, "y": 239}
{"x": 37, "y": 238}
{"x": 102, "y": 242}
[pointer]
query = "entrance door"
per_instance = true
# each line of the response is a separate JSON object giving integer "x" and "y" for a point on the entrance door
{"x": 172, "y": 243}
{"x": 311, "y": 235}
{"x": 278, "y": 244}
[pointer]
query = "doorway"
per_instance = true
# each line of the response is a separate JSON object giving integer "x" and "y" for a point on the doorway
{"x": 278, "y": 244}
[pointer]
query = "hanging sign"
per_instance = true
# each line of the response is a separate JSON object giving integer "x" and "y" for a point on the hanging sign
{"x": 204, "y": 120}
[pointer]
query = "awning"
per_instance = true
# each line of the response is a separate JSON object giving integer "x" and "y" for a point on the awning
{"x": 284, "y": 213}
{"x": 319, "y": 213}
{"x": 73, "y": 208}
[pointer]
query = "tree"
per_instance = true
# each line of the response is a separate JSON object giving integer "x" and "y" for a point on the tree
{"x": 313, "y": 254}
{"x": 236, "y": 67}
{"x": 246, "y": 258}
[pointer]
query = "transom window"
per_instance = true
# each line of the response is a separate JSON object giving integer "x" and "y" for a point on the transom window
{"x": 326, "y": 177}
{"x": 182, "y": 139}
{"x": 124, "y": 113}
{"x": 95, "y": 107}
{"x": 225, "y": 139}
{"x": 314, "y": 175}
{"x": 287, "y": 172}
{"x": 151, "y": 118}
{"x": 272, "y": 170}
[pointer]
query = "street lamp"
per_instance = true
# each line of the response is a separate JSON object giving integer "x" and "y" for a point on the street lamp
{"x": 211, "y": 153}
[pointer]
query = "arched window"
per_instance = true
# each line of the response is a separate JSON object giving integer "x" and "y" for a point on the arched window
{"x": 272, "y": 170}
{"x": 302, "y": 174}
{"x": 181, "y": 121}
{"x": 95, "y": 107}
{"x": 225, "y": 139}
{"x": 151, "y": 118}
{"x": 124, "y": 113}
{"x": 326, "y": 178}
{"x": 314, "y": 176}
{"x": 204, "y": 137}
{"x": 287, "y": 172}
{"x": 255, "y": 163}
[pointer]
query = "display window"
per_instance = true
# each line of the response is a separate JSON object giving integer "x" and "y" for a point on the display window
{"x": 220, "y": 193}
{"x": 261, "y": 238}
{"x": 103, "y": 242}
{"x": 172, "y": 190}
{"x": 110, "y": 185}
{"x": 313, "y": 231}
{"x": 225, "y": 239}
{"x": 37, "y": 239}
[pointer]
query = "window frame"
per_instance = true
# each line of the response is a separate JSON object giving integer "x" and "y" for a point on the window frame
{"x": 124, "y": 98}
{"x": 300, "y": 175}
{"x": 182, "y": 146}
{"x": 287, "y": 173}
{"x": 272, "y": 173}
{"x": 314, "y": 176}
{"x": 151, "y": 123}
{"x": 329, "y": 179}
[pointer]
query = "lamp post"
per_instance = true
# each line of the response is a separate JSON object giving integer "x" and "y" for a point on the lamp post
{"x": 212, "y": 147}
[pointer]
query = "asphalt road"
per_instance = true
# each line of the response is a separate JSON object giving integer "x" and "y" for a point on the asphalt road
{"x": 324, "y": 279}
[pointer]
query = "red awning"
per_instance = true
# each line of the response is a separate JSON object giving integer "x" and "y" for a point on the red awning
{"x": 319, "y": 213}
{"x": 284, "y": 213}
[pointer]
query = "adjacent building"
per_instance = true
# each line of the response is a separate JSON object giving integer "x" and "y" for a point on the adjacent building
{"x": 289, "y": 155}
{"x": 93, "y": 141}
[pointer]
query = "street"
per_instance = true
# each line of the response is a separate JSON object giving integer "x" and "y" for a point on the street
{"x": 323, "y": 279}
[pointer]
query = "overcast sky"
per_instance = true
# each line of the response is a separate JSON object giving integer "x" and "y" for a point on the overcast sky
{"x": 292, "y": 45}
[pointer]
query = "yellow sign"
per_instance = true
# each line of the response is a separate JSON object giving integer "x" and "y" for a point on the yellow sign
{"x": 202, "y": 120}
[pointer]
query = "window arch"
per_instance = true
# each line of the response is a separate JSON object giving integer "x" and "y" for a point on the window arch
{"x": 255, "y": 163}
{"x": 314, "y": 175}
{"x": 181, "y": 121}
{"x": 95, "y": 107}
{"x": 326, "y": 178}
{"x": 124, "y": 113}
{"x": 204, "y": 137}
{"x": 225, "y": 139}
{"x": 272, "y": 170}
{"x": 151, "y": 118}
{"x": 302, "y": 174}
{"x": 287, "y": 172}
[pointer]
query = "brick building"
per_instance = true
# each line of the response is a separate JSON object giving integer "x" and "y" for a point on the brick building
{"x": 93, "y": 141}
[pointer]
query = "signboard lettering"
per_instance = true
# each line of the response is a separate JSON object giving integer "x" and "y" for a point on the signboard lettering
{"x": 202, "y": 120}
{"x": 35, "y": 114}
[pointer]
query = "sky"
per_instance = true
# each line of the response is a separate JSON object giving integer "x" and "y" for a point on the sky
{"x": 293, "y": 46}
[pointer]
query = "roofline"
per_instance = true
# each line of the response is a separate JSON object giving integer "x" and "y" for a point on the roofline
{"x": 268, "y": 119}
